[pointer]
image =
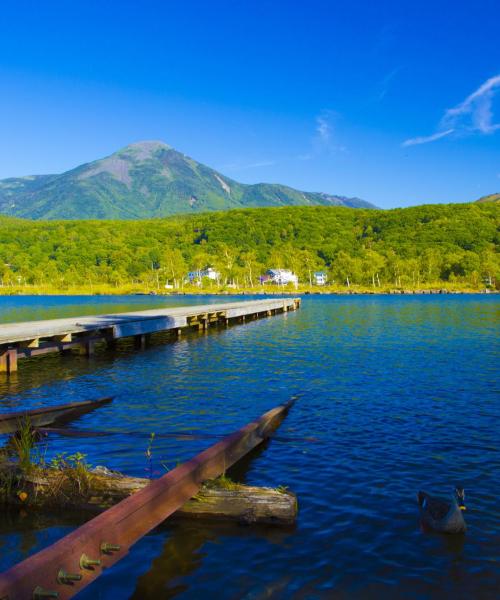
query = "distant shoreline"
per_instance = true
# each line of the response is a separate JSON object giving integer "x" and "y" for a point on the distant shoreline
{"x": 138, "y": 291}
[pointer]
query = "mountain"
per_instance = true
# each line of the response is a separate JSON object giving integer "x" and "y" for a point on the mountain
{"x": 490, "y": 198}
{"x": 146, "y": 179}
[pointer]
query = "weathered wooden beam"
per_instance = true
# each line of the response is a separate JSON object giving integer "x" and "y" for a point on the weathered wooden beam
{"x": 129, "y": 520}
{"x": 11, "y": 422}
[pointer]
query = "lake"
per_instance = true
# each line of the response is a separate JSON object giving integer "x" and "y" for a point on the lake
{"x": 400, "y": 392}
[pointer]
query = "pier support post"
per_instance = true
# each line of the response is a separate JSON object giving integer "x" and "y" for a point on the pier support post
{"x": 8, "y": 360}
{"x": 140, "y": 341}
{"x": 87, "y": 348}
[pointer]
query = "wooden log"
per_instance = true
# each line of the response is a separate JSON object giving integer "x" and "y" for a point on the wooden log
{"x": 247, "y": 504}
{"x": 100, "y": 489}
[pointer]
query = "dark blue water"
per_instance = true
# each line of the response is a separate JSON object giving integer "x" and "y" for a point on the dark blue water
{"x": 401, "y": 393}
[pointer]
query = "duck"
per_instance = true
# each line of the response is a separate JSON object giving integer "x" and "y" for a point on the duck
{"x": 442, "y": 515}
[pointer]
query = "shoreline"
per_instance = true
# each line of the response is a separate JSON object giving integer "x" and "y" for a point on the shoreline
{"x": 145, "y": 291}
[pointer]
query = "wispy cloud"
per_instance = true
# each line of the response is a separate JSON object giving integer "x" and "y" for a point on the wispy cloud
{"x": 475, "y": 112}
{"x": 472, "y": 116}
{"x": 324, "y": 136}
{"x": 324, "y": 127}
{"x": 427, "y": 138}
{"x": 384, "y": 84}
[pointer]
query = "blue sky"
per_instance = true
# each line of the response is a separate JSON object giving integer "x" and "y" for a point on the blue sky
{"x": 395, "y": 102}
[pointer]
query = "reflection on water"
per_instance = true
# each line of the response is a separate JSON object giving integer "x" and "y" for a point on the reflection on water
{"x": 400, "y": 393}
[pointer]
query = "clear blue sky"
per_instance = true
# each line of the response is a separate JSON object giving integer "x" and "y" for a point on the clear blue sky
{"x": 395, "y": 102}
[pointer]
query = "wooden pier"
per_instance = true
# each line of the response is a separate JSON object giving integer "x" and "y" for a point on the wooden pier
{"x": 35, "y": 338}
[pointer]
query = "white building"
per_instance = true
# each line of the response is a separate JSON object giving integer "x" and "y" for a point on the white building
{"x": 320, "y": 278}
{"x": 280, "y": 277}
{"x": 208, "y": 272}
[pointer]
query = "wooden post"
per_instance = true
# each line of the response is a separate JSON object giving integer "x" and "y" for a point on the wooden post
{"x": 8, "y": 360}
{"x": 87, "y": 348}
{"x": 12, "y": 360}
{"x": 3, "y": 360}
{"x": 140, "y": 342}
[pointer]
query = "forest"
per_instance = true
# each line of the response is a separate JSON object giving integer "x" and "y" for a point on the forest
{"x": 419, "y": 247}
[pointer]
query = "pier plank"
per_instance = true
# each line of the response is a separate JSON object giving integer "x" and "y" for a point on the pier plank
{"x": 11, "y": 333}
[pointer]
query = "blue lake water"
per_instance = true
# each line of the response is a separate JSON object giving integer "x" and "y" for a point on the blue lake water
{"x": 401, "y": 393}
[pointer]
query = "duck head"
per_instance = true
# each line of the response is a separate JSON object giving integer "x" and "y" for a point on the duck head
{"x": 460, "y": 498}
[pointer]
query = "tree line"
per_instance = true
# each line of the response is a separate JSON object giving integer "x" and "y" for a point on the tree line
{"x": 411, "y": 247}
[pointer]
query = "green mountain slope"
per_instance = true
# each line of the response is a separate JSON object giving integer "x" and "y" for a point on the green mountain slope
{"x": 147, "y": 179}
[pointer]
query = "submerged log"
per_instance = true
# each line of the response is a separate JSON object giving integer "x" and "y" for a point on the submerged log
{"x": 98, "y": 490}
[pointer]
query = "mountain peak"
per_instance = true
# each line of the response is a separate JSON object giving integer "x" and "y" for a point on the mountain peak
{"x": 146, "y": 179}
{"x": 144, "y": 150}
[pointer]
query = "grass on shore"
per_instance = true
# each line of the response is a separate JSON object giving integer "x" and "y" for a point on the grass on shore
{"x": 143, "y": 289}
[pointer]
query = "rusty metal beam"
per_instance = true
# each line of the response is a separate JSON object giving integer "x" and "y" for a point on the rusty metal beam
{"x": 10, "y": 422}
{"x": 106, "y": 539}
